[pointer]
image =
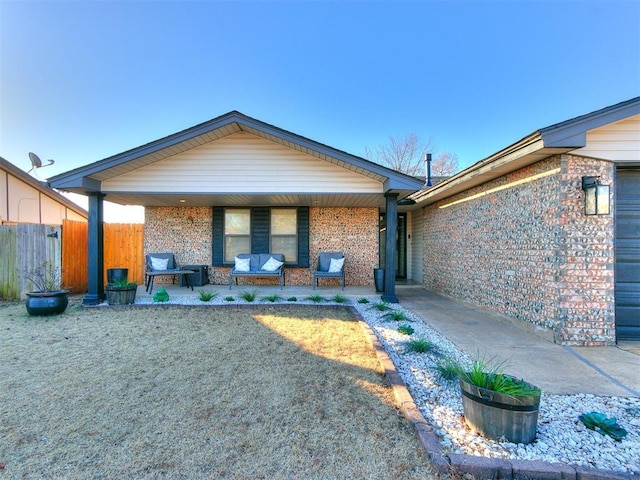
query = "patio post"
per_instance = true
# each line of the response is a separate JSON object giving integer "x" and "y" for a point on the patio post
{"x": 391, "y": 219}
{"x": 95, "y": 286}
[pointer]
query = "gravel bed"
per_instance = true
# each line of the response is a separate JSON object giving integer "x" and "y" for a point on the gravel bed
{"x": 561, "y": 436}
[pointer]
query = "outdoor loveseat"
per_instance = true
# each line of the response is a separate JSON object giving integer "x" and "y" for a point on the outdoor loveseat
{"x": 269, "y": 265}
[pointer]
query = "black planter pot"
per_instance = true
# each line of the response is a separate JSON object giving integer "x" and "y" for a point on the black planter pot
{"x": 378, "y": 279}
{"x": 47, "y": 303}
{"x": 115, "y": 275}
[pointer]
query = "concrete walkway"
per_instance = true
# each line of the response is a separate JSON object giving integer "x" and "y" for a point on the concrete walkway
{"x": 556, "y": 369}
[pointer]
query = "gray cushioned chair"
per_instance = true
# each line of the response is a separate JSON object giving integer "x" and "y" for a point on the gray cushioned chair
{"x": 324, "y": 262}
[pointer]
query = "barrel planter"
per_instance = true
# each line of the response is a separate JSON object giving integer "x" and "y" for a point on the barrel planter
{"x": 499, "y": 416}
{"x": 47, "y": 303}
{"x": 121, "y": 295}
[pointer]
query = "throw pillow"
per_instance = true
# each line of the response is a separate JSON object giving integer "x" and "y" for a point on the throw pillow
{"x": 272, "y": 265}
{"x": 158, "y": 264}
{"x": 242, "y": 265}
{"x": 336, "y": 265}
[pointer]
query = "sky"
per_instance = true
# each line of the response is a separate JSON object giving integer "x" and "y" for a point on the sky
{"x": 84, "y": 80}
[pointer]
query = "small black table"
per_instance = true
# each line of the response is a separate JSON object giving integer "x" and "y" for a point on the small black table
{"x": 178, "y": 271}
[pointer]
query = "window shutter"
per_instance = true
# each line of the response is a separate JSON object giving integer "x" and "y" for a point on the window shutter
{"x": 260, "y": 227}
{"x": 218, "y": 237}
{"x": 303, "y": 236}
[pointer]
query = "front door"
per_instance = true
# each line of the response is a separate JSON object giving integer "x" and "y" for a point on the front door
{"x": 627, "y": 253}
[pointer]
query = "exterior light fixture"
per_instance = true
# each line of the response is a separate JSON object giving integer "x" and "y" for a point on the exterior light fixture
{"x": 596, "y": 196}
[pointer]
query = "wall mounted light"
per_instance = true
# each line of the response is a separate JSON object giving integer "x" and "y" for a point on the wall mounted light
{"x": 596, "y": 196}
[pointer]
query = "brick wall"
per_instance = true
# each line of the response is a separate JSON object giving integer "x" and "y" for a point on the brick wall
{"x": 186, "y": 231}
{"x": 521, "y": 245}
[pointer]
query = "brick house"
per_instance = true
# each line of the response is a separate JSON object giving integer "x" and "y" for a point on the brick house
{"x": 235, "y": 185}
{"x": 510, "y": 232}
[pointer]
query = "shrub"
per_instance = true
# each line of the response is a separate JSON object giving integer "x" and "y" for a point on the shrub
{"x": 419, "y": 345}
{"x": 363, "y": 300}
{"x": 381, "y": 306}
{"x": 249, "y": 296}
{"x": 395, "y": 315}
{"x": 315, "y": 298}
{"x": 272, "y": 298}
{"x": 292, "y": 299}
{"x": 490, "y": 376}
{"x": 229, "y": 299}
{"x": 406, "y": 329}
{"x": 206, "y": 296}
{"x": 339, "y": 298}
{"x": 606, "y": 426}
{"x": 161, "y": 296}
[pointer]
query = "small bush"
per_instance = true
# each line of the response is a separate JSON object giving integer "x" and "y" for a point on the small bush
{"x": 207, "y": 296}
{"x": 161, "y": 296}
{"x": 292, "y": 299}
{"x": 271, "y": 298}
{"x": 606, "y": 426}
{"x": 448, "y": 369}
{"x": 249, "y": 296}
{"x": 396, "y": 316}
{"x": 363, "y": 300}
{"x": 381, "y": 306}
{"x": 419, "y": 345}
{"x": 339, "y": 298}
{"x": 315, "y": 298}
{"x": 406, "y": 329}
{"x": 229, "y": 299}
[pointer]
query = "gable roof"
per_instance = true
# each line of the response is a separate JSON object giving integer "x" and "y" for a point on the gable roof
{"x": 90, "y": 178}
{"x": 555, "y": 139}
{"x": 42, "y": 187}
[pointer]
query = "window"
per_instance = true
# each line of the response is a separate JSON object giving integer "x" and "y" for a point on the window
{"x": 284, "y": 233}
{"x": 261, "y": 230}
{"x": 237, "y": 232}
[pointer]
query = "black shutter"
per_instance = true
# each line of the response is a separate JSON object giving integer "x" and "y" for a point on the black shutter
{"x": 260, "y": 229}
{"x": 303, "y": 236}
{"x": 217, "y": 254}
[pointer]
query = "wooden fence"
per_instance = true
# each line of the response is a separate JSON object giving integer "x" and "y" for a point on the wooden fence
{"x": 23, "y": 248}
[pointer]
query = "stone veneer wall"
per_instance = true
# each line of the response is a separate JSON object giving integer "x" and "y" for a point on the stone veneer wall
{"x": 186, "y": 231}
{"x": 528, "y": 251}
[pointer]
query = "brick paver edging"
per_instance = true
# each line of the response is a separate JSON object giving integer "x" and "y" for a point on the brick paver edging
{"x": 481, "y": 468}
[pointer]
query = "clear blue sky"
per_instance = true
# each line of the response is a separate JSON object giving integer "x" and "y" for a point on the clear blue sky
{"x": 83, "y": 80}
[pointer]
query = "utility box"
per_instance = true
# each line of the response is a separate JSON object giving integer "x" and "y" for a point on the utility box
{"x": 197, "y": 279}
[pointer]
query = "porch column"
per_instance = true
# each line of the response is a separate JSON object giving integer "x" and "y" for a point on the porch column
{"x": 391, "y": 217}
{"x": 95, "y": 287}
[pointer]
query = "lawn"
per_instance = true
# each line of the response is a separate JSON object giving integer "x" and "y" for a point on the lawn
{"x": 269, "y": 392}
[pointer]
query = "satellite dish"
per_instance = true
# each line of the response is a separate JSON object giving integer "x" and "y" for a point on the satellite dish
{"x": 36, "y": 162}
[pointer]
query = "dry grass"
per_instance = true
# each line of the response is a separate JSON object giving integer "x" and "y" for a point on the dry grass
{"x": 197, "y": 392}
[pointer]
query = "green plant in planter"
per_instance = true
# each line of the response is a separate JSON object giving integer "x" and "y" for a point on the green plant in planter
{"x": 161, "y": 296}
{"x": 490, "y": 376}
{"x": 448, "y": 369}
{"x": 606, "y": 426}
{"x": 122, "y": 284}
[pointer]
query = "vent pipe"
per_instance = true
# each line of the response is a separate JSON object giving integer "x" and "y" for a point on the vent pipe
{"x": 427, "y": 161}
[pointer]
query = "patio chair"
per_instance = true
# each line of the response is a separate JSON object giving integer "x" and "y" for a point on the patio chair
{"x": 155, "y": 262}
{"x": 330, "y": 265}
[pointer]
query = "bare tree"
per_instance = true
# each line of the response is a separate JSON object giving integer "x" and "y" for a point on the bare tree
{"x": 406, "y": 155}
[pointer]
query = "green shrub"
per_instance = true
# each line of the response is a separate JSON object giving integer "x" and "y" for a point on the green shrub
{"x": 363, "y": 300}
{"x": 272, "y": 298}
{"x": 292, "y": 299}
{"x": 406, "y": 329}
{"x": 229, "y": 299}
{"x": 448, "y": 369}
{"x": 315, "y": 298}
{"x": 381, "y": 306}
{"x": 606, "y": 426}
{"x": 122, "y": 284}
{"x": 339, "y": 298}
{"x": 161, "y": 296}
{"x": 396, "y": 315}
{"x": 249, "y": 296}
{"x": 490, "y": 376}
{"x": 419, "y": 345}
{"x": 207, "y": 296}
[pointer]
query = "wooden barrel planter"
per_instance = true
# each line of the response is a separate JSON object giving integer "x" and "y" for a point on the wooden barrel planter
{"x": 499, "y": 416}
{"x": 121, "y": 295}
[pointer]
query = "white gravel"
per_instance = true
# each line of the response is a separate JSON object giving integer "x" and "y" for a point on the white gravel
{"x": 561, "y": 436}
